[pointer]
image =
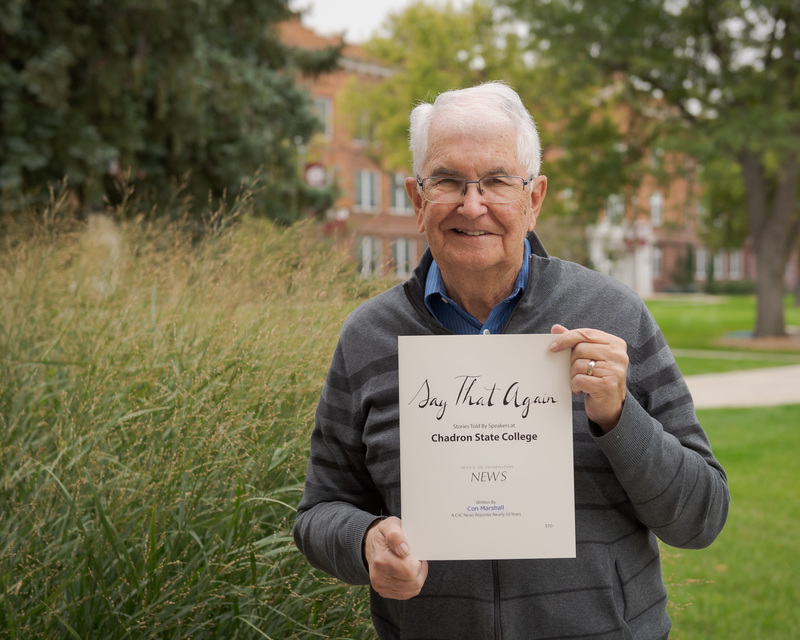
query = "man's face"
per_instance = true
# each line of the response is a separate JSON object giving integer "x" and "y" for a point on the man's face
{"x": 472, "y": 237}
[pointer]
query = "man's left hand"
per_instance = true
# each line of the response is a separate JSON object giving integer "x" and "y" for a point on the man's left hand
{"x": 599, "y": 368}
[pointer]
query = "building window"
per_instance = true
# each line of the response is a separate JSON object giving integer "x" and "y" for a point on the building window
{"x": 368, "y": 190}
{"x": 404, "y": 253}
{"x": 370, "y": 256}
{"x": 735, "y": 265}
{"x": 658, "y": 262}
{"x": 401, "y": 203}
{"x": 656, "y": 209}
{"x": 700, "y": 263}
{"x": 719, "y": 265}
{"x": 323, "y": 109}
{"x": 361, "y": 129}
{"x": 700, "y": 217}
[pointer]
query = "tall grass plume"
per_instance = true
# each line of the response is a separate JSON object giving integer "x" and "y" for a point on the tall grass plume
{"x": 156, "y": 396}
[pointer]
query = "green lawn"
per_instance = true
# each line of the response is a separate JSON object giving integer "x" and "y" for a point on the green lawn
{"x": 745, "y": 585}
{"x": 694, "y": 326}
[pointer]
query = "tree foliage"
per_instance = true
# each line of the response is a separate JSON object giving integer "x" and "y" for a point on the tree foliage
{"x": 724, "y": 223}
{"x": 152, "y": 93}
{"x": 724, "y": 73}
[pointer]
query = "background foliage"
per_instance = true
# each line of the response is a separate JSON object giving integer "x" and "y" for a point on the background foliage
{"x": 156, "y": 400}
{"x": 152, "y": 94}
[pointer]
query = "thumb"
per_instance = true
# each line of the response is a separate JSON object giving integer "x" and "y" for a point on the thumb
{"x": 399, "y": 545}
{"x": 396, "y": 539}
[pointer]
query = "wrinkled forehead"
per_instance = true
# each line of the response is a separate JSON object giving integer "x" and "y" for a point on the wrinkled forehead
{"x": 451, "y": 144}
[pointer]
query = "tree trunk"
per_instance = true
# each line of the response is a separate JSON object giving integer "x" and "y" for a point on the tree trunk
{"x": 775, "y": 230}
{"x": 796, "y": 289}
{"x": 770, "y": 320}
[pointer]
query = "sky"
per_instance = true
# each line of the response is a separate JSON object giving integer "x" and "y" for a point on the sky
{"x": 357, "y": 19}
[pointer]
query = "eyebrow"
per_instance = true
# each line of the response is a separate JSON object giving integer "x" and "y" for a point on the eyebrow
{"x": 446, "y": 171}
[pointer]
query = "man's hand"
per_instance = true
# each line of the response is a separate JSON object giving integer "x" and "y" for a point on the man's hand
{"x": 393, "y": 573}
{"x": 604, "y": 381}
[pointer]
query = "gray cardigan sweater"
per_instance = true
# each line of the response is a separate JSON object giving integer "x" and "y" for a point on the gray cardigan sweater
{"x": 653, "y": 475}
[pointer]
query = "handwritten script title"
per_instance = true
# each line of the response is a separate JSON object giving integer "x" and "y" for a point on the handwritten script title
{"x": 472, "y": 394}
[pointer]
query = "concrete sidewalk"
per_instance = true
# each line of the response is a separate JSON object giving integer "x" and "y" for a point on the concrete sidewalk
{"x": 753, "y": 388}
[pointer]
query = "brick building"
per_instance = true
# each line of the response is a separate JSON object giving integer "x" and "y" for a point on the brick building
{"x": 373, "y": 210}
{"x": 650, "y": 239}
{"x": 648, "y": 236}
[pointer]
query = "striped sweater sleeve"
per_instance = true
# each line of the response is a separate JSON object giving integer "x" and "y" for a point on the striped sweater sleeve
{"x": 659, "y": 452}
{"x": 340, "y": 500}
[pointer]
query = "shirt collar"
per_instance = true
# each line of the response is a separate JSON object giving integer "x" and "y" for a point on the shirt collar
{"x": 436, "y": 293}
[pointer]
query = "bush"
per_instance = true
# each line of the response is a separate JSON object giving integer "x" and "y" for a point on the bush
{"x": 731, "y": 287}
{"x": 156, "y": 398}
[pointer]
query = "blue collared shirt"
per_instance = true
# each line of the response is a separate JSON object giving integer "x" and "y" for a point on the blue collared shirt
{"x": 459, "y": 321}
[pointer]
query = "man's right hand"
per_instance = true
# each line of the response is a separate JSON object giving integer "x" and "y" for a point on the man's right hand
{"x": 393, "y": 573}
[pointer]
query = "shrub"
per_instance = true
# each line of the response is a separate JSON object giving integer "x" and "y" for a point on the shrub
{"x": 731, "y": 287}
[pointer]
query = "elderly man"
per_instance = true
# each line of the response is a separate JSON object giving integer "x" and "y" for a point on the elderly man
{"x": 643, "y": 465}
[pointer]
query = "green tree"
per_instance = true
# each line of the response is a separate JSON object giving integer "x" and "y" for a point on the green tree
{"x": 154, "y": 94}
{"x": 724, "y": 74}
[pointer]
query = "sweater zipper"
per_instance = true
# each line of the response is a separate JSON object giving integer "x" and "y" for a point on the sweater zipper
{"x": 498, "y": 630}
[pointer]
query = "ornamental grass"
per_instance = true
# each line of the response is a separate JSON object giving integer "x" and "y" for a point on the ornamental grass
{"x": 157, "y": 389}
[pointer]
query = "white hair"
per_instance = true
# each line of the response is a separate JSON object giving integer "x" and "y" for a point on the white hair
{"x": 479, "y": 109}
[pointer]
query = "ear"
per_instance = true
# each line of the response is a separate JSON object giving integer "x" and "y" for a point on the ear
{"x": 416, "y": 200}
{"x": 538, "y": 192}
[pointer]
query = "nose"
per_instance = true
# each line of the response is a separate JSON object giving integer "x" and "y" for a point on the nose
{"x": 473, "y": 203}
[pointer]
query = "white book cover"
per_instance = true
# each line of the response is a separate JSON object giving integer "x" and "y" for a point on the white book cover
{"x": 486, "y": 458}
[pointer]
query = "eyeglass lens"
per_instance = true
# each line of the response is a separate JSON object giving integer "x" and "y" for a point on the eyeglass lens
{"x": 495, "y": 189}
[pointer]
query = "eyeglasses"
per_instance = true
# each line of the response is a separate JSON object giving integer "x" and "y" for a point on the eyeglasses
{"x": 493, "y": 189}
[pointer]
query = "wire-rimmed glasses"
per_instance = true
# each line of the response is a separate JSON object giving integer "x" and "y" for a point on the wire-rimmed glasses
{"x": 493, "y": 189}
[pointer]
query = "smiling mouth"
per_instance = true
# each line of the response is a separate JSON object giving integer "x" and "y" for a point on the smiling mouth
{"x": 467, "y": 232}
